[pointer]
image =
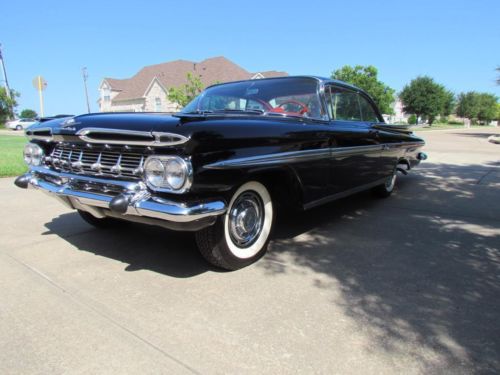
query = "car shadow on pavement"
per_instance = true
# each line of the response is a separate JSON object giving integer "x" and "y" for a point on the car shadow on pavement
{"x": 420, "y": 271}
{"x": 142, "y": 247}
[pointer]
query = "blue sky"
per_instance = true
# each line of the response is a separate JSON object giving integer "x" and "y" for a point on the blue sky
{"x": 455, "y": 42}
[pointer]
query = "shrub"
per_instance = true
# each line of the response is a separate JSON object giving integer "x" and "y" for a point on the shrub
{"x": 412, "y": 120}
{"x": 443, "y": 120}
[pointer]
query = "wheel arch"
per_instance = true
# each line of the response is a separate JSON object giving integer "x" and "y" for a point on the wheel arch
{"x": 404, "y": 161}
{"x": 283, "y": 183}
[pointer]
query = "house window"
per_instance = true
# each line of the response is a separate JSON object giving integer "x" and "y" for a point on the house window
{"x": 157, "y": 104}
{"x": 107, "y": 98}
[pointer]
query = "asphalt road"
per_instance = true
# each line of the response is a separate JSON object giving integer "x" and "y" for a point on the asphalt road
{"x": 409, "y": 284}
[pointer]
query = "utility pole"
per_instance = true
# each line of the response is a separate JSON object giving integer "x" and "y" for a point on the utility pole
{"x": 85, "y": 76}
{"x": 4, "y": 72}
{"x": 40, "y": 84}
{"x": 6, "y": 81}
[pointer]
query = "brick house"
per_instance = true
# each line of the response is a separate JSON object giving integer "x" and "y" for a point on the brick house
{"x": 147, "y": 90}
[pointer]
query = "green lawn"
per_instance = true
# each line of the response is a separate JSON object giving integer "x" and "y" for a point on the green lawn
{"x": 11, "y": 155}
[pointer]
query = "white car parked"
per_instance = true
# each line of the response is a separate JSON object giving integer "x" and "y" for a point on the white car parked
{"x": 20, "y": 124}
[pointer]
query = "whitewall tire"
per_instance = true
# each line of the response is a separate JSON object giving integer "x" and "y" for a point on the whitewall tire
{"x": 241, "y": 235}
{"x": 386, "y": 189}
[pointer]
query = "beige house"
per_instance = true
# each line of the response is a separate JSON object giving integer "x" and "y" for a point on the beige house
{"x": 147, "y": 90}
{"x": 399, "y": 116}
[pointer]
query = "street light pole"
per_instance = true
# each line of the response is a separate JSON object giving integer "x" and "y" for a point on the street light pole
{"x": 85, "y": 76}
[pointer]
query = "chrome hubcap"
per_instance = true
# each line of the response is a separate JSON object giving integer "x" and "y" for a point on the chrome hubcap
{"x": 389, "y": 184}
{"x": 245, "y": 219}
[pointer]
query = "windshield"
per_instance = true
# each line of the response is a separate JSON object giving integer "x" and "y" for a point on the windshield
{"x": 280, "y": 97}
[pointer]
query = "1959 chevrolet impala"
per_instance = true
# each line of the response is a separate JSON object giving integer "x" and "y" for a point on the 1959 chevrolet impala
{"x": 223, "y": 165}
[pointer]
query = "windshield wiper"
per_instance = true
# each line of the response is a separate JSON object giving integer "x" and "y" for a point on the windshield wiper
{"x": 197, "y": 112}
{"x": 281, "y": 114}
{"x": 228, "y": 110}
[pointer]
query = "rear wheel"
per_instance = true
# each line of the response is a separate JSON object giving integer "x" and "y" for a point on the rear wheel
{"x": 384, "y": 190}
{"x": 103, "y": 223}
{"x": 19, "y": 127}
{"x": 241, "y": 235}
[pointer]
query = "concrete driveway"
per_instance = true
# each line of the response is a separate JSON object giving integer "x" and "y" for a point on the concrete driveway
{"x": 409, "y": 284}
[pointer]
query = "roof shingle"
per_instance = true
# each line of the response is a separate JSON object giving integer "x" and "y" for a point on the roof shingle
{"x": 173, "y": 74}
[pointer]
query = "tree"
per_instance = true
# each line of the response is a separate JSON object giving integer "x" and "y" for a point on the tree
{"x": 448, "y": 103}
{"x": 487, "y": 111}
{"x": 365, "y": 77}
{"x": 475, "y": 105}
{"x": 28, "y": 113}
{"x": 424, "y": 97}
{"x": 467, "y": 105}
{"x": 7, "y": 104}
{"x": 184, "y": 94}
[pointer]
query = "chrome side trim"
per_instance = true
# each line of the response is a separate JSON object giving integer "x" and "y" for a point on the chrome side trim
{"x": 343, "y": 194}
{"x": 150, "y": 138}
{"x": 339, "y": 152}
{"x": 33, "y": 134}
{"x": 279, "y": 158}
{"x": 294, "y": 156}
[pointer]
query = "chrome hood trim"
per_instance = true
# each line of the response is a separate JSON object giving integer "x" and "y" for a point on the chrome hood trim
{"x": 130, "y": 137}
{"x": 42, "y": 134}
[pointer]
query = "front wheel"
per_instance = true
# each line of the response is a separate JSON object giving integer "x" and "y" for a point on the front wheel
{"x": 241, "y": 235}
{"x": 19, "y": 127}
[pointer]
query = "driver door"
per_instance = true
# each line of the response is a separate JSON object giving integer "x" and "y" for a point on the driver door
{"x": 355, "y": 144}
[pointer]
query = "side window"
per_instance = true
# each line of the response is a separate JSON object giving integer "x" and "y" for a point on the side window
{"x": 367, "y": 111}
{"x": 253, "y": 104}
{"x": 344, "y": 105}
{"x": 329, "y": 103}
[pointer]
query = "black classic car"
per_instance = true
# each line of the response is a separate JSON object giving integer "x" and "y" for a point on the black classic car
{"x": 222, "y": 166}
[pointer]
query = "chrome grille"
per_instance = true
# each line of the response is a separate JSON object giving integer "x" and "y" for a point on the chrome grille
{"x": 79, "y": 159}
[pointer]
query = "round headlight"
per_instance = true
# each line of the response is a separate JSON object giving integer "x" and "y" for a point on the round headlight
{"x": 176, "y": 173}
{"x": 27, "y": 154}
{"x": 154, "y": 172}
{"x": 36, "y": 155}
{"x": 33, "y": 154}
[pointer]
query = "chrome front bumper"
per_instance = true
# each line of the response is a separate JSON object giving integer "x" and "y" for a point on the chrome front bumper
{"x": 121, "y": 199}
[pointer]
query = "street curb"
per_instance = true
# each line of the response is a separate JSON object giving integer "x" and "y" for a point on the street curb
{"x": 451, "y": 129}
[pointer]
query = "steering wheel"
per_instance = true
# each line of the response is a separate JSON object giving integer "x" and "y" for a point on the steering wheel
{"x": 296, "y": 102}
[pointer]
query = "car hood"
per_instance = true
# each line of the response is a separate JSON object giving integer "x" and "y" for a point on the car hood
{"x": 145, "y": 122}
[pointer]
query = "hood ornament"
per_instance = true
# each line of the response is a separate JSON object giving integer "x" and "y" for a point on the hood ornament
{"x": 69, "y": 124}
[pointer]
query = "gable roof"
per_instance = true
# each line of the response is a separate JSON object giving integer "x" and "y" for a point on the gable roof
{"x": 173, "y": 74}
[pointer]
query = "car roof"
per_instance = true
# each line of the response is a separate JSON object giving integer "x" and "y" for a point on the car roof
{"x": 320, "y": 79}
